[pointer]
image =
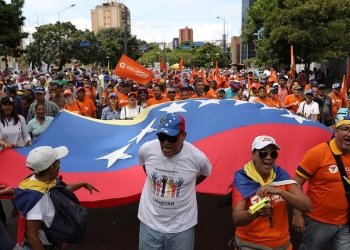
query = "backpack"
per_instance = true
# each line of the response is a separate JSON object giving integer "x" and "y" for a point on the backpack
{"x": 70, "y": 221}
{"x": 341, "y": 112}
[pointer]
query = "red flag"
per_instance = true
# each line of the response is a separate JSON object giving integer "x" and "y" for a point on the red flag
{"x": 217, "y": 74}
{"x": 128, "y": 68}
{"x": 180, "y": 64}
{"x": 162, "y": 65}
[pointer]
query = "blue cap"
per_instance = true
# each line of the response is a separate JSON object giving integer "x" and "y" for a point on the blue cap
{"x": 308, "y": 92}
{"x": 39, "y": 89}
{"x": 171, "y": 124}
{"x": 113, "y": 95}
{"x": 336, "y": 85}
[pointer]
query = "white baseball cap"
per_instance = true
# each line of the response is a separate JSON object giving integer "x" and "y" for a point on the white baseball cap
{"x": 262, "y": 141}
{"x": 41, "y": 158}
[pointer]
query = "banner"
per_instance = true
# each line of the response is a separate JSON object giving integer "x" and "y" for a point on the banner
{"x": 128, "y": 68}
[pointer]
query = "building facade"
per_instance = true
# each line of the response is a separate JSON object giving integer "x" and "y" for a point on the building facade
{"x": 185, "y": 35}
{"x": 111, "y": 14}
{"x": 236, "y": 49}
{"x": 247, "y": 49}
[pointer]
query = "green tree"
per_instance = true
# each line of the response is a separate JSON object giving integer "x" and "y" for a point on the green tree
{"x": 11, "y": 22}
{"x": 112, "y": 44}
{"x": 318, "y": 29}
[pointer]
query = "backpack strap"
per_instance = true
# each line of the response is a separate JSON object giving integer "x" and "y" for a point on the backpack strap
{"x": 343, "y": 176}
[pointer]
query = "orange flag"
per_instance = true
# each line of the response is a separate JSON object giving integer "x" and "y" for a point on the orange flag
{"x": 180, "y": 64}
{"x": 203, "y": 77}
{"x": 292, "y": 63}
{"x": 211, "y": 75}
{"x": 128, "y": 68}
{"x": 162, "y": 65}
{"x": 217, "y": 74}
{"x": 343, "y": 86}
{"x": 194, "y": 71}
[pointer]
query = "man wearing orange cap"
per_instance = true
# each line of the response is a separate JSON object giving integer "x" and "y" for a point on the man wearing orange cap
{"x": 253, "y": 92}
{"x": 292, "y": 101}
{"x": 72, "y": 105}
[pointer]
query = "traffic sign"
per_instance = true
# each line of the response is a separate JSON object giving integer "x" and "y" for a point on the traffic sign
{"x": 198, "y": 44}
{"x": 85, "y": 44}
{"x": 143, "y": 47}
{"x": 185, "y": 47}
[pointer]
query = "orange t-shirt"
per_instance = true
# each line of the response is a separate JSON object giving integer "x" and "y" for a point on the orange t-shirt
{"x": 338, "y": 101}
{"x": 88, "y": 93}
{"x": 212, "y": 93}
{"x": 258, "y": 231}
{"x": 267, "y": 101}
{"x": 153, "y": 101}
{"x": 76, "y": 108}
{"x": 325, "y": 186}
{"x": 89, "y": 106}
{"x": 201, "y": 96}
{"x": 276, "y": 103}
{"x": 123, "y": 100}
{"x": 292, "y": 99}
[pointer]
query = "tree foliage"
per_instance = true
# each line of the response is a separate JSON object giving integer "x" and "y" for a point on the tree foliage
{"x": 11, "y": 22}
{"x": 317, "y": 29}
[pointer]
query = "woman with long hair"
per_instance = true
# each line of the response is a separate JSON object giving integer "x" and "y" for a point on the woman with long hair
{"x": 143, "y": 97}
{"x": 40, "y": 122}
{"x": 130, "y": 111}
{"x": 112, "y": 111}
{"x": 13, "y": 133}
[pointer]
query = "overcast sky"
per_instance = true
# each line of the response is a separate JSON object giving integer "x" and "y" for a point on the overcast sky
{"x": 152, "y": 21}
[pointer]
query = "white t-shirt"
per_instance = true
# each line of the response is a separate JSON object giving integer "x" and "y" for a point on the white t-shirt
{"x": 309, "y": 110}
{"x": 130, "y": 113}
{"x": 168, "y": 201}
{"x": 44, "y": 210}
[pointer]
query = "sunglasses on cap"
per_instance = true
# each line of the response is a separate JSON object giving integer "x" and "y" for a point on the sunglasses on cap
{"x": 171, "y": 92}
{"x": 263, "y": 154}
{"x": 164, "y": 137}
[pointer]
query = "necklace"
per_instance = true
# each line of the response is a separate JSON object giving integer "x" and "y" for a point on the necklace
{"x": 171, "y": 180}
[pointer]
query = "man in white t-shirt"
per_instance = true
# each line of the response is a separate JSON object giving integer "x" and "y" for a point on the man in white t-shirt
{"x": 308, "y": 108}
{"x": 168, "y": 206}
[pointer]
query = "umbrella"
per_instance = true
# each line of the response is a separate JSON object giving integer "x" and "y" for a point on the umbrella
{"x": 174, "y": 66}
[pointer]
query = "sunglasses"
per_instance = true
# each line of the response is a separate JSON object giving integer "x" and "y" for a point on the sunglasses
{"x": 273, "y": 154}
{"x": 171, "y": 92}
{"x": 143, "y": 92}
{"x": 164, "y": 137}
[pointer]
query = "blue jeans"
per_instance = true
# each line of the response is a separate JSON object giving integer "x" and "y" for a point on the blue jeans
{"x": 153, "y": 240}
{"x": 5, "y": 240}
{"x": 317, "y": 234}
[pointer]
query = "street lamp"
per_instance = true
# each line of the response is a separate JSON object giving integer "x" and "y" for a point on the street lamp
{"x": 224, "y": 38}
{"x": 59, "y": 34}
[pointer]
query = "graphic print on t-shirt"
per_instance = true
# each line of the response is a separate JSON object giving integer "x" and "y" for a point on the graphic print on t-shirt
{"x": 166, "y": 186}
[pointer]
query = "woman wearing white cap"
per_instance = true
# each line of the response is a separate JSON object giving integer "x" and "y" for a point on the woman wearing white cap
{"x": 33, "y": 200}
{"x": 261, "y": 178}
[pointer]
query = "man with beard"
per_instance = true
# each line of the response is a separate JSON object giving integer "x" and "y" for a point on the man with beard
{"x": 158, "y": 98}
{"x": 72, "y": 105}
{"x": 56, "y": 95}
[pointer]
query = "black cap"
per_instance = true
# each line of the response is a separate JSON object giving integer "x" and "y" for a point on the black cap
{"x": 6, "y": 99}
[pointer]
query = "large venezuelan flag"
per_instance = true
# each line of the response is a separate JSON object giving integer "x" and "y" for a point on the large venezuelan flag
{"x": 104, "y": 153}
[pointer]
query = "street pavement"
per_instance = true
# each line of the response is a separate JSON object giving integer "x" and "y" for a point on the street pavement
{"x": 117, "y": 227}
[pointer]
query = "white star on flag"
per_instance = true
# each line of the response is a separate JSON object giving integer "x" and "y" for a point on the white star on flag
{"x": 267, "y": 107}
{"x": 207, "y": 102}
{"x": 144, "y": 131}
{"x": 116, "y": 155}
{"x": 166, "y": 124}
{"x": 296, "y": 117}
{"x": 239, "y": 102}
{"x": 175, "y": 107}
